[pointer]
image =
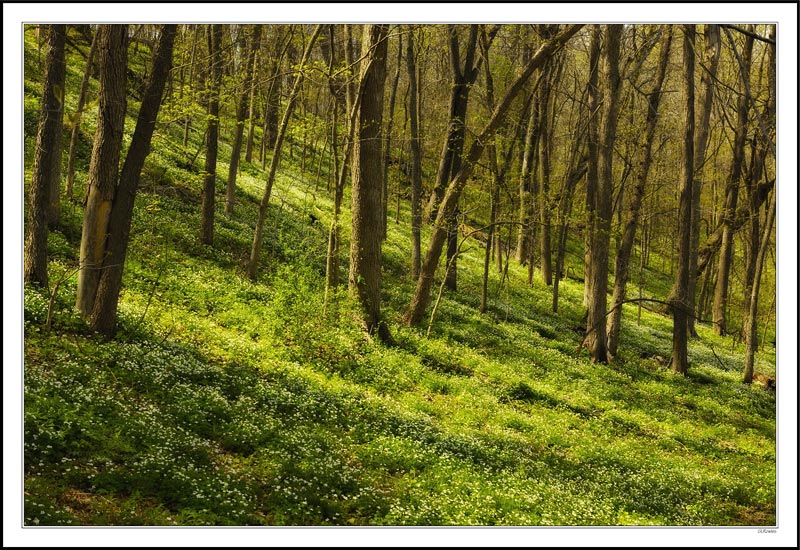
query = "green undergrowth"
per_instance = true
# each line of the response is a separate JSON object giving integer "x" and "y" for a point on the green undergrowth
{"x": 225, "y": 401}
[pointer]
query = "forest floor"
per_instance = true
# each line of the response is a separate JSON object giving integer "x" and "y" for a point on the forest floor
{"x": 224, "y": 401}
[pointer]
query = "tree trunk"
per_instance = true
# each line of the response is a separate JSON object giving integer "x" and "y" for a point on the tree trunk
{"x": 621, "y": 270}
{"x": 387, "y": 149}
{"x": 47, "y": 157}
{"x": 421, "y": 298}
{"x": 680, "y": 329}
{"x": 592, "y": 145}
{"x": 187, "y": 123}
{"x": 104, "y": 313}
{"x": 76, "y": 125}
{"x": 731, "y": 199}
{"x": 365, "y": 241}
{"x": 525, "y": 184}
{"x": 416, "y": 157}
{"x": 255, "y": 251}
{"x": 212, "y": 135}
{"x": 598, "y": 282}
{"x": 711, "y": 52}
{"x": 112, "y": 56}
{"x": 241, "y": 114}
{"x": 251, "y": 110}
{"x": 545, "y": 153}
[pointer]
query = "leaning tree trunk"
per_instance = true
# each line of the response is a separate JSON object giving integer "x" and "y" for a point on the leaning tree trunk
{"x": 76, "y": 124}
{"x": 255, "y": 251}
{"x": 719, "y": 311}
{"x": 112, "y": 57}
{"x": 621, "y": 271}
{"x": 416, "y": 157}
{"x": 680, "y": 329}
{"x": 241, "y": 114}
{"x": 365, "y": 241}
{"x": 104, "y": 313}
{"x": 47, "y": 157}
{"x": 212, "y": 135}
{"x": 595, "y": 338}
{"x": 421, "y": 297}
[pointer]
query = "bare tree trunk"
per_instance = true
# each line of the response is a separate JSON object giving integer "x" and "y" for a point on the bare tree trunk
{"x": 112, "y": 56}
{"x": 598, "y": 282}
{"x": 255, "y": 251}
{"x": 365, "y": 241}
{"x": 387, "y": 148}
{"x": 212, "y": 135}
{"x": 76, "y": 126}
{"x": 621, "y": 270}
{"x": 104, "y": 313}
{"x": 525, "y": 184}
{"x": 188, "y": 121}
{"x": 711, "y": 52}
{"x": 546, "y": 151}
{"x": 591, "y": 174}
{"x": 421, "y": 298}
{"x": 680, "y": 329}
{"x": 47, "y": 157}
{"x": 416, "y": 157}
{"x": 241, "y": 113}
{"x": 731, "y": 198}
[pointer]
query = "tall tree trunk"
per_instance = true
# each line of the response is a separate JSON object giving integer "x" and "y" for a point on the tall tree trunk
{"x": 621, "y": 270}
{"x": 251, "y": 110}
{"x": 387, "y": 153}
{"x": 104, "y": 313}
{"x": 187, "y": 123}
{"x": 212, "y": 135}
{"x": 525, "y": 184}
{"x": 731, "y": 199}
{"x": 598, "y": 282}
{"x": 421, "y": 298}
{"x": 680, "y": 329}
{"x": 592, "y": 144}
{"x": 751, "y": 338}
{"x": 76, "y": 125}
{"x": 255, "y": 251}
{"x": 365, "y": 241}
{"x": 241, "y": 114}
{"x": 416, "y": 156}
{"x": 47, "y": 157}
{"x": 546, "y": 151}
{"x": 711, "y": 52}
{"x": 112, "y": 56}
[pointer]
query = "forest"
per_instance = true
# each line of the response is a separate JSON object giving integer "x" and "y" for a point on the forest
{"x": 400, "y": 274}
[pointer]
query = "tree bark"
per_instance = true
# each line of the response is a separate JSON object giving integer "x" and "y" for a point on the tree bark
{"x": 112, "y": 56}
{"x": 387, "y": 148}
{"x": 621, "y": 270}
{"x": 365, "y": 241}
{"x": 76, "y": 125}
{"x": 251, "y": 111}
{"x": 255, "y": 251}
{"x": 595, "y": 338}
{"x": 416, "y": 157}
{"x": 47, "y": 157}
{"x": 592, "y": 145}
{"x": 187, "y": 123}
{"x": 525, "y": 184}
{"x": 104, "y": 313}
{"x": 241, "y": 114}
{"x": 212, "y": 135}
{"x": 421, "y": 298}
{"x": 720, "y": 307}
{"x": 680, "y": 311}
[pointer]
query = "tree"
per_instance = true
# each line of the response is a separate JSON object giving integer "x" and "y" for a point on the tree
{"x": 112, "y": 57}
{"x": 597, "y": 282}
{"x": 76, "y": 121}
{"x": 47, "y": 158}
{"x": 680, "y": 311}
{"x": 592, "y": 144}
{"x": 212, "y": 134}
{"x": 421, "y": 297}
{"x": 104, "y": 313}
{"x": 416, "y": 156}
{"x": 365, "y": 242}
{"x": 241, "y": 114}
{"x": 387, "y": 153}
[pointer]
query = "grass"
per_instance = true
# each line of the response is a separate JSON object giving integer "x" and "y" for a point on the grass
{"x": 229, "y": 402}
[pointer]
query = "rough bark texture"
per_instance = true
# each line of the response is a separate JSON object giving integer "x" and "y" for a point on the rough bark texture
{"x": 241, "y": 115}
{"x": 598, "y": 281}
{"x": 112, "y": 57}
{"x": 680, "y": 329}
{"x": 416, "y": 157}
{"x": 719, "y": 311}
{"x": 76, "y": 124}
{"x": 255, "y": 251}
{"x": 711, "y": 51}
{"x": 591, "y": 173}
{"x": 622, "y": 268}
{"x": 421, "y": 298}
{"x": 387, "y": 147}
{"x": 212, "y": 135}
{"x": 46, "y": 156}
{"x": 104, "y": 313}
{"x": 365, "y": 241}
